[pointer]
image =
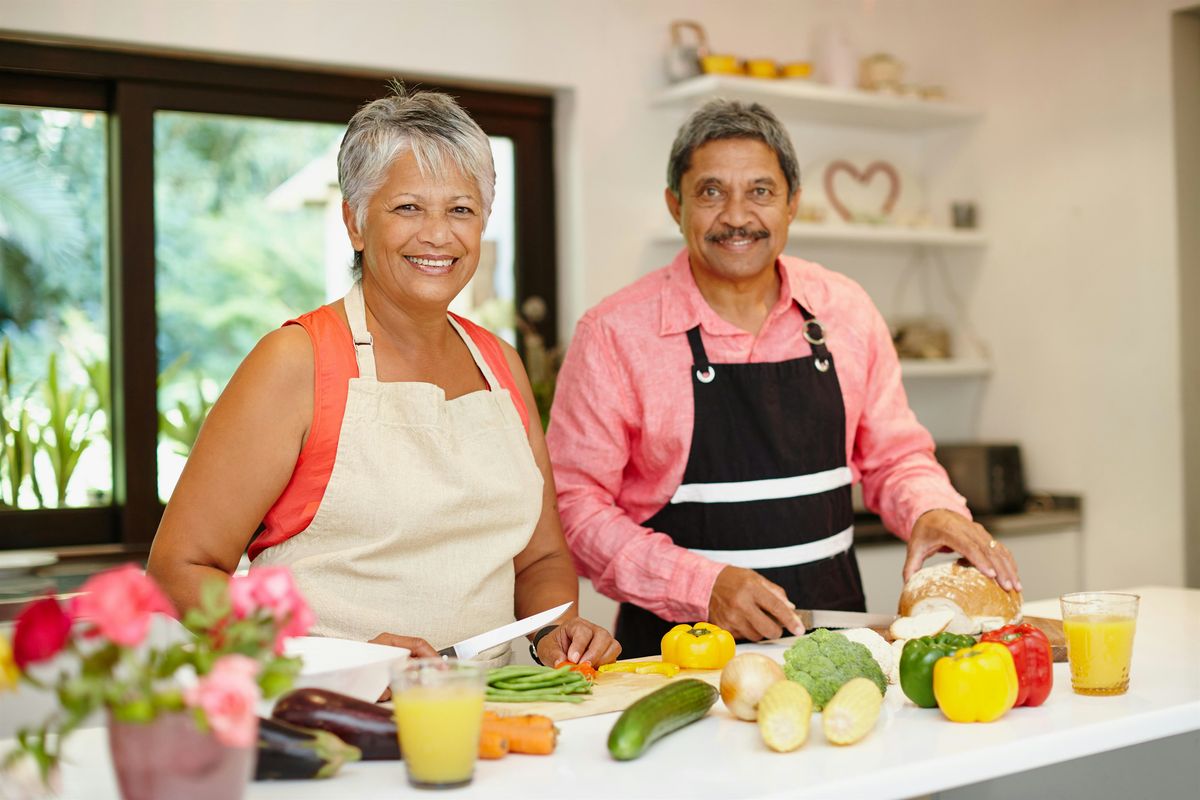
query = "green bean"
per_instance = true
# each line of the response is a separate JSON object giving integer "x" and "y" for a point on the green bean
{"x": 532, "y": 697}
{"x": 514, "y": 671}
{"x": 554, "y": 673}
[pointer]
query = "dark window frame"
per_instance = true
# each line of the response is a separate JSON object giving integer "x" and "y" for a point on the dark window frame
{"x": 130, "y": 86}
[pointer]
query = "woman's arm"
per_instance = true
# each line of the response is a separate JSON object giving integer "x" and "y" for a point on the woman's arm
{"x": 240, "y": 464}
{"x": 545, "y": 573}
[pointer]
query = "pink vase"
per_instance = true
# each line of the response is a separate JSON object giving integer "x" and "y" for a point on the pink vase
{"x": 170, "y": 759}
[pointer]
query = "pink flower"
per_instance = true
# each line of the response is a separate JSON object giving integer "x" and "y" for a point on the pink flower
{"x": 272, "y": 589}
{"x": 120, "y": 602}
{"x": 42, "y": 631}
{"x": 228, "y": 696}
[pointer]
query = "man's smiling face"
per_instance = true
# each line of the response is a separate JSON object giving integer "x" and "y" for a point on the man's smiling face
{"x": 733, "y": 208}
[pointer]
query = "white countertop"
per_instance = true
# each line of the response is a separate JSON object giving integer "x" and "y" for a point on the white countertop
{"x": 912, "y": 751}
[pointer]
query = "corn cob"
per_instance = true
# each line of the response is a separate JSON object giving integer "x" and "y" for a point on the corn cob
{"x": 784, "y": 713}
{"x": 852, "y": 712}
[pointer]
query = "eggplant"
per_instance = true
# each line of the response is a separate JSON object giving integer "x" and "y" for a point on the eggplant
{"x": 289, "y": 752}
{"x": 367, "y": 726}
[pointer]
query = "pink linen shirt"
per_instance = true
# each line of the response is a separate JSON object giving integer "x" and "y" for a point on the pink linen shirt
{"x": 621, "y": 426}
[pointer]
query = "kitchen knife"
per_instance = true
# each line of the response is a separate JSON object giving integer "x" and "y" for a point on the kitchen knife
{"x": 468, "y": 648}
{"x": 818, "y": 618}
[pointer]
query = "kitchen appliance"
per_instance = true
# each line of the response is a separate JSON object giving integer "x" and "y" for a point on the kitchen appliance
{"x": 505, "y": 633}
{"x": 988, "y": 475}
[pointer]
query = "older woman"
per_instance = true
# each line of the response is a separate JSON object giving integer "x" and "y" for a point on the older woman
{"x": 388, "y": 451}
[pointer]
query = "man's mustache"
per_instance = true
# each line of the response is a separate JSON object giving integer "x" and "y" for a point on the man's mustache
{"x": 736, "y": 233}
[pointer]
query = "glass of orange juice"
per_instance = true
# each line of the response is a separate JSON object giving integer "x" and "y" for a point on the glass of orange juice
{"x": 1099, "y": 629}
{"x": 438, "y": 706}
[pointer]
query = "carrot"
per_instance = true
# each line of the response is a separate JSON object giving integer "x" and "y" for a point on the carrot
{"x": 530, "y": 733}
{"x": 584, "y": 668}
{"x": 492, "y": 743}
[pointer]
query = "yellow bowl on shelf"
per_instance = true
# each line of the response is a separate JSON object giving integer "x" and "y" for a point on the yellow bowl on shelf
{"x": 762, "y": 68}
{"x": 797, "y": 69}
{"x": 721, "y": 65}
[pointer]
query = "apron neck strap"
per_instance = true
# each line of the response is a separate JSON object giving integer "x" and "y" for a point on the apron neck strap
{"x": 814, "y": 333}
{"x": 699, "y": 356}
{"x": 480, "y": 361}
{"x": 356, "y": 315}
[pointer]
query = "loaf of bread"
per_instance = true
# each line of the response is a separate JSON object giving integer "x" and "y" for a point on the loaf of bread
{"x": 979, "y": 603}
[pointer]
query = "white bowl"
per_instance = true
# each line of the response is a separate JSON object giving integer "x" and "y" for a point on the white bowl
{"x": 357, "y": 669}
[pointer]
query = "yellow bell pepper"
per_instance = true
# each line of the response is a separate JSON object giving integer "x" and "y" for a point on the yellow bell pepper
{"x": 976, "y": 684}
{"x": 642, "y": 668}
{"x": 699, "y": 646}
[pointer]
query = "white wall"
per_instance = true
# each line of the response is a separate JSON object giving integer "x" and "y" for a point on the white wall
{"x": 1076, "y": 296}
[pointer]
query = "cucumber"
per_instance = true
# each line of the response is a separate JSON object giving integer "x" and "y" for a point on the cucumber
{"x": 679, "y": 703}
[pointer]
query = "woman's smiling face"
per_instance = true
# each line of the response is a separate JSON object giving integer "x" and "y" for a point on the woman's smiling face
{"x": 420, "y": 236}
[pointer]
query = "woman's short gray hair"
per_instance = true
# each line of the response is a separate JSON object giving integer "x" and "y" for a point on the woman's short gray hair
{"x": 729, "y": 119}
{"x": 430, "y": 125}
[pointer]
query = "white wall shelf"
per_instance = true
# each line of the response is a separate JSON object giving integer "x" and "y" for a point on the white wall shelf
{"x": 945, "y": 368}
{"x": 866, "y": 234}
{"x": 819, "y": 103}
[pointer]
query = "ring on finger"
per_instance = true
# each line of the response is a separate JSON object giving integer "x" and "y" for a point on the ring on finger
{"x": 992, "y": 544}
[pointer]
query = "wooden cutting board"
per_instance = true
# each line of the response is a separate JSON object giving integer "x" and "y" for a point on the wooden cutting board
{"x": 1054, "y": 632}
{"x": 612, "y": 691}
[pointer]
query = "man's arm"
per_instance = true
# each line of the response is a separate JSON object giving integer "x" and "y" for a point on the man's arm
{"x": 592, "y": 423}
{"x": 904, "y": 482}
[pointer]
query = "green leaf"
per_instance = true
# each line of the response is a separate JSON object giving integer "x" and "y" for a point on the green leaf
{"x": 171, "y": 660}
{"x": 138, "y": 710}
{"x": 100, "y": 663}
{"x": 168, "y": 701}
{"x": 278, "y": 675}
{"x": 214, "y": 598}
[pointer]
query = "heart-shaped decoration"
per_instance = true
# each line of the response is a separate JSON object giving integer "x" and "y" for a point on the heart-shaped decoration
{"x": 864, "y": 177}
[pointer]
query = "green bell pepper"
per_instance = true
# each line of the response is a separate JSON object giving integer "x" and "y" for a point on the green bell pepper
{"x": 917, "y": 660}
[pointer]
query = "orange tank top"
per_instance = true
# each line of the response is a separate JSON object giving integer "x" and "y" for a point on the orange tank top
{"x": 334, "y": 365}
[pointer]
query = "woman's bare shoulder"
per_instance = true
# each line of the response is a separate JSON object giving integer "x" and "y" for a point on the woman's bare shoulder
{"x": 279, "y": 367}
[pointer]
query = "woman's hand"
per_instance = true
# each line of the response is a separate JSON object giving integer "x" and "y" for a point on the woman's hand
{"x": 578, "y": 640}
{"x": 417, "y": 647}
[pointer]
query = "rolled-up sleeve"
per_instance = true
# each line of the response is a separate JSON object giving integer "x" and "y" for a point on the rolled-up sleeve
{"x": 594, "y": 419}
{"x": 893, "y": 452}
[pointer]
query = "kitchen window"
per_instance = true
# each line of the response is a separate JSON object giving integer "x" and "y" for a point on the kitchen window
{"x": 158, "y": 215}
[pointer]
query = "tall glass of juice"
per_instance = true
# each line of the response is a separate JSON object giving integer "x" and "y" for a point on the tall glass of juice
{"x": 1099, "y": 628}
{"x": 439, "y": 711}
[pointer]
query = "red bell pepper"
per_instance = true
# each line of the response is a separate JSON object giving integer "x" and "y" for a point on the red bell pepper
{"x": 1032, "y": 657}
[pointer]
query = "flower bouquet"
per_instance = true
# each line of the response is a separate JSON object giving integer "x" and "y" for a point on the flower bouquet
{"x": 96, "y": 652}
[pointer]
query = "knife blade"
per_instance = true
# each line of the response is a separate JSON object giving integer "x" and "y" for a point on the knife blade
{"x": 475, "y": 645}
{"x": 820, "y": 618}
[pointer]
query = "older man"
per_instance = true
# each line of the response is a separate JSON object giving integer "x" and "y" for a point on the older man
{"x": 711, "y": 418}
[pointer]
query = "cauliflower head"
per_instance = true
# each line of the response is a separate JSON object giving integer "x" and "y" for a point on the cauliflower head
{"x": 823, "y": 661}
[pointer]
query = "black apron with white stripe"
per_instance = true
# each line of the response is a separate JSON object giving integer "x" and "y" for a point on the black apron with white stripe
{"x": 782, "y": 422}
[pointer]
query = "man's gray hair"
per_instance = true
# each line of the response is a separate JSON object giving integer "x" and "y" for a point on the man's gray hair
{"x": 430, "y": 125}
{"x": 729, "y": 119}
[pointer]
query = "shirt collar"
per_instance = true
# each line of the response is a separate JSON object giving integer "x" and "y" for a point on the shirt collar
{"x": 683, "y": 307}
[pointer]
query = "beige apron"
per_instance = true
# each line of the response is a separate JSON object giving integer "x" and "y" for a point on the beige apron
{"x": 428, "y": 503}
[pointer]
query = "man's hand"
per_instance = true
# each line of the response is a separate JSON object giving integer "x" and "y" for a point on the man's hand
{"x": 578, "y": 640}
{"x": 943, "y": 528}
{"x": 751, "y": 607}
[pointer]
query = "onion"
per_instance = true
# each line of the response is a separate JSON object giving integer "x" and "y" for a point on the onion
{"x": 744, "y": 681}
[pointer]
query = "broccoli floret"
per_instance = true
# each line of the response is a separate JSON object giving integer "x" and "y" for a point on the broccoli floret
{"x": 823, "y": 661}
